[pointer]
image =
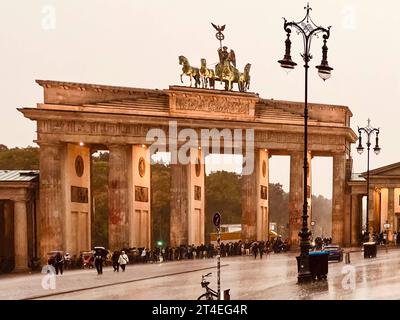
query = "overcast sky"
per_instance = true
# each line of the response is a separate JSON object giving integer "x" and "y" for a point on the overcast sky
{"x": 137, "y": 43}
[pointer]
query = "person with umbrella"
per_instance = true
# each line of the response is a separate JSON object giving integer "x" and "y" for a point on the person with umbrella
{"x": 100, "y": 253}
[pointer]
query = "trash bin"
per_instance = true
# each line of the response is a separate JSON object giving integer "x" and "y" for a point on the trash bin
{"x": 319, "y": 264}
{"x": 225, "y": 295}
{"x": 369, "y": 250}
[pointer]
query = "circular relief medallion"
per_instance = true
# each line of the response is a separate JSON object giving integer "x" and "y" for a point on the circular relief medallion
{"x": 79, "y": 166}
{"x": 142, "y": 167}
{"x": 264, "y": 168}
{"x": 198, "y": 167}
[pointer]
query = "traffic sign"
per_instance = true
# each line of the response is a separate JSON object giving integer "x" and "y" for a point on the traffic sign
{"x": 217, "y": 219}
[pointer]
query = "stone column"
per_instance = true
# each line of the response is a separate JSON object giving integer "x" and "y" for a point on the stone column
{"x": 20, "y": 236}
{"x": 179, "y": 205}
{"x": 355, "y": 220}
{"x": 51, "y": 198}
{"x": 120, "y": 195}
{"x": 187, "y": 205}
{"x": 140, "y": 220}
{"x": 2, "y": 222}
{"x": 295, "y": 196}
{"x": 371, "y": 211}
{"x": 250, "y": 198}
{"x": 8, "y": 234}
{"x": 338, "y": 197}
{"x": 391, "y": 212}
{"x": 196, "y": 185}
{"x": 262, "y": 172}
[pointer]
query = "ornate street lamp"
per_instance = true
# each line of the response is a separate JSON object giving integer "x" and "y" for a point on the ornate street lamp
{"x": 368, "y": 130}
{"x": 308, "y": 29}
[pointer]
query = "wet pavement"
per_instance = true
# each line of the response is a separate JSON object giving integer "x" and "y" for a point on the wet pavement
{"x": 273, "y": 277}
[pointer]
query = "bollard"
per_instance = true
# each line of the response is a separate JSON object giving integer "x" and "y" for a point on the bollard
{"x": 347, "y": 258}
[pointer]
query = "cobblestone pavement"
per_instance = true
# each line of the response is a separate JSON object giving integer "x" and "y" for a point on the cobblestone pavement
{"x": 273, "y": 277}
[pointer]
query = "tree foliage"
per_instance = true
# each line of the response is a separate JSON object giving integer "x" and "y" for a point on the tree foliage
{"x": 160, "y": 201}
{"x": 322, "y": 215}
{"x": 19, "y": 158}
{"x": 100, "y": 199}
{"x": 279, "y": 208}
{"x": 223, "y": 194}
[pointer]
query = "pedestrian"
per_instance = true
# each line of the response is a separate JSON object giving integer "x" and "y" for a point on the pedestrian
{"x": 58, "y": 263}
{"x": 115, "y": 263}
{"x": 98, "y": 262}
{"x": 247, "y": 248}
{"x": 255, "y": 249}
{"x": 123, "y": 260}
{"x": 143, "y": 255}
{"x": 261, "y": 249}
{"x": 67, "y": 261}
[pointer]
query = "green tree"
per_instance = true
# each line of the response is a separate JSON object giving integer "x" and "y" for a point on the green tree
{"x": 279, "y": 208}
{"x": 100, "y": 199}
{"x": 19, "y": 158}
{"x": 322, "y": 215}
{"x": 223, "y": 193}
{"x": 160, "y": 201}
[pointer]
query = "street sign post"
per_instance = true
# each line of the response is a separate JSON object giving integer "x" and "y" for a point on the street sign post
{"x": 217, "y": 223}
{"x": 217, "y": 219}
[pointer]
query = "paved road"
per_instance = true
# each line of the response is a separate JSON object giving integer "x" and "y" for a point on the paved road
{"x": 273, "y": 277}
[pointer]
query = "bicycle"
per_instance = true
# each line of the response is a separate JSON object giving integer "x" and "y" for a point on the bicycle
{"x": 210, "y": 294}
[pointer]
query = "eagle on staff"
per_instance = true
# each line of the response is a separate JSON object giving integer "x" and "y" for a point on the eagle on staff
{"x": 225, "y": 71}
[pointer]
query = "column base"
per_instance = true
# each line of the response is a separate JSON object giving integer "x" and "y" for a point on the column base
{"x": 21, "y": 270}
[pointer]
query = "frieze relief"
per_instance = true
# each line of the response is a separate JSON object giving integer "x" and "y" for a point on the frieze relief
{"x": 279, "y": 137}
{"x": 212, "y": 104}
{"x": 76, "y": 127}
{"x": 140, "y": 130}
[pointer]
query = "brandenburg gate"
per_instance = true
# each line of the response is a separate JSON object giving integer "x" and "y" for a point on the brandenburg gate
{"x": 75, "y": 120}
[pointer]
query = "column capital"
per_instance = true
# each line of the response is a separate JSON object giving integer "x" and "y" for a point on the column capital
{"x": 338, "y": 154}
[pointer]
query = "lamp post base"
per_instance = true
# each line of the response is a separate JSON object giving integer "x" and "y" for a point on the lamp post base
{"x": 303, "y": 267}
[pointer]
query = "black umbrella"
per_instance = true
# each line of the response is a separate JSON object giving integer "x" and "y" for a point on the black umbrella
{"x": 101, "y": 250}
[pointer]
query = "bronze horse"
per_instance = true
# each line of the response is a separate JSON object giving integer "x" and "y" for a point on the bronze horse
{"x": 192, "y": 72}
{"x": 244, "y": 79}
{"x": 207, "y": 76}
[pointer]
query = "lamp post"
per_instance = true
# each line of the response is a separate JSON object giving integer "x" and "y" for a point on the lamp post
{"x": 368, "y": 130}
{"x": 308, "y": 29}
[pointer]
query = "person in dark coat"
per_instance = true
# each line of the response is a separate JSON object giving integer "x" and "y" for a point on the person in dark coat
{"x": 255, "y": 249}
{"x": 115, "y": 262}
{"x": 58, "y": 263}
{"x": 98, "y": 261}
{"x": 261, "y": 248}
